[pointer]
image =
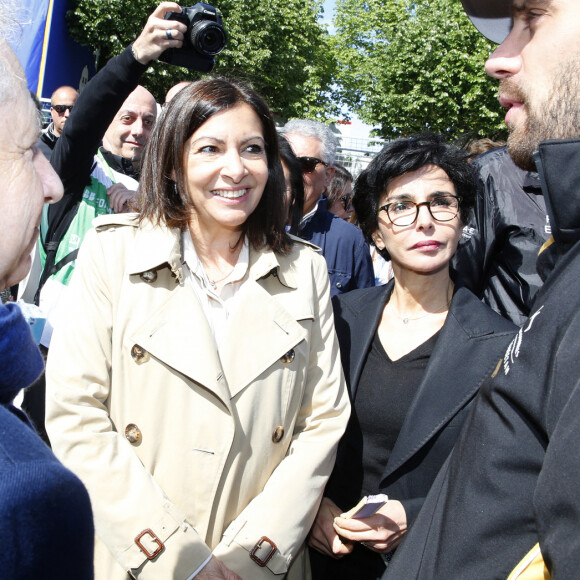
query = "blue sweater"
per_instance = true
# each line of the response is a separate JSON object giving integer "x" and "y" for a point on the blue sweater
{"x": 46, "y": 524}
{"x": 344, "y": 248}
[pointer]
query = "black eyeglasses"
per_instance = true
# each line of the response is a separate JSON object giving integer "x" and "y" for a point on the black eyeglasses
{"x": 442, "y": 208}
{"x": 346, "y": 201}
{"x": 60, "y": 109}
{"x": 308, "y": 164}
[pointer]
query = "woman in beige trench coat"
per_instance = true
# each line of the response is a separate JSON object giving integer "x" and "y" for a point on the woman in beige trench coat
{"x": 196, "y": 387}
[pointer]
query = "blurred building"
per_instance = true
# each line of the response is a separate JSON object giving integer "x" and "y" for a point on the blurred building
{"x": 355, "y": 148}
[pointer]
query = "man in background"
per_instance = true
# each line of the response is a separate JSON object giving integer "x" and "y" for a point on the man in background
{"x": 62, "y": 102}
{"x": 507, "y": 502}
{"x": 98, "y": 157}
{"x": 174, "y": 90}
{"x": 343, "y": 246}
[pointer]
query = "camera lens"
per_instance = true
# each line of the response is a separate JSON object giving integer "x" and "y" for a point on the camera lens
{"x": 208, "y": 38}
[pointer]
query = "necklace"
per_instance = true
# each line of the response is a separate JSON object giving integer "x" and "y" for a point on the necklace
{"x": 214, "y": 283}
{"x": 405, "y": 319}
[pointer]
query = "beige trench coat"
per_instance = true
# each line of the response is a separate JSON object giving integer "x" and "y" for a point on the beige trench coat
{"x": 207, "y": 454}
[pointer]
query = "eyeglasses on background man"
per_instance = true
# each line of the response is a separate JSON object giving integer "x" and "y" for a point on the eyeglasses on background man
{"x": 60, "y": 109}
{"x": 308, "y": 164}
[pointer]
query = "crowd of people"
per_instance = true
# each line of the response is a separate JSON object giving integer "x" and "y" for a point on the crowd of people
{"x": 260, "y": 366}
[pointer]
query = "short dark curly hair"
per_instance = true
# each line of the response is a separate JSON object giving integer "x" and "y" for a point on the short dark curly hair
{"x": 403, "y": 156}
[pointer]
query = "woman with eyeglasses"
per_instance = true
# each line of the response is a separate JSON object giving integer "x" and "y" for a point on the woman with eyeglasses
{"x": 414, "y": 353}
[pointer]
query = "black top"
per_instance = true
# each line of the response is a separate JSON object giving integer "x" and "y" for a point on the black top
{"x": 385, "y": 392}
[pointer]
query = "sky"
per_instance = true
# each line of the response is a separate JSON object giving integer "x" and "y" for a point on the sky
{"x": 328, "y": 13}
{"x": 358, "y": 128}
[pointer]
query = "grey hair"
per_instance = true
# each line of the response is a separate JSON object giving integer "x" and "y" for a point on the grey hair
{"x": 10, "y": 31}
{"x": 318, "y": 131}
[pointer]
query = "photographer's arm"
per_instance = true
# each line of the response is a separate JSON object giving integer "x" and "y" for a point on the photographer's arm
{"x": 98, "y": 104}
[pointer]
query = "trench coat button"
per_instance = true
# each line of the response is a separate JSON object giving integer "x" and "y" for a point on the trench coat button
{"x": 140, "y": 355}
{"x": 132, "y": 433}
{"x": 288, "y": 357}
{"x": 278, "y": 434}
{"x": 149, "y": 276}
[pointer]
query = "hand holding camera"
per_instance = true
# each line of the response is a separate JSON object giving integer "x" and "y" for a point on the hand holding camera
{"x": 189, "y": 37}
{"x": 153, "y": 40}
{"x": 204, "y": 38}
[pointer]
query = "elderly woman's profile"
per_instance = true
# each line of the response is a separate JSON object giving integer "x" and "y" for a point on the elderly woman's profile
{"x": 194, "y": 388}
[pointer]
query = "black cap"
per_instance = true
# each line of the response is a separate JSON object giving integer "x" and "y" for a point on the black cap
{"x": 493, "y": 18}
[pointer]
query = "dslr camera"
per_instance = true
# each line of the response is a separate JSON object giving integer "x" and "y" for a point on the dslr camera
{"x": 205, "y": 37}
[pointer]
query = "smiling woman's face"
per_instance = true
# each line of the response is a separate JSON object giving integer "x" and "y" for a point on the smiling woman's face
{"x": 226, "y": 170}
{"x": 427, "y": 245}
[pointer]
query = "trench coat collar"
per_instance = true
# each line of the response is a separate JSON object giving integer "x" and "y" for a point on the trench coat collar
{"x": 260, "y": 333}
{"x": 156, "y": 246}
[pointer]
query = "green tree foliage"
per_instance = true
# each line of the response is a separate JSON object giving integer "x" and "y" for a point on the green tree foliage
{"x": 407, "y": 66}
{"x": 278, "y": 47}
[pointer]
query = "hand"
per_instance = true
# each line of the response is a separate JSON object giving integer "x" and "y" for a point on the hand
{"x": 216, "y": 570}
{"x": 122, "y": 199}
{"x": 381, "y": 532}
{"x": 323, "y": 537}
{"x": 153, "y": 39}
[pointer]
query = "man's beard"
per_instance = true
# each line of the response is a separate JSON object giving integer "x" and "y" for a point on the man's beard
{"x": 136, "y": 157}
{"x": 557, "y": 117}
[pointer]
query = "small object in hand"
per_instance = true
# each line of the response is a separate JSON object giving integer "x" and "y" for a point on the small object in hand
{"x": 366, "y": 507}
{"x": 168, "y": 33}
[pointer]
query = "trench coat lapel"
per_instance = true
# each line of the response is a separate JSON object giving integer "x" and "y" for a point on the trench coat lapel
{"x": 259, "y": 334}
{"x": 263, "y": 330}
{"x": 185, "y": 342}
{"x": 462, "y": 332}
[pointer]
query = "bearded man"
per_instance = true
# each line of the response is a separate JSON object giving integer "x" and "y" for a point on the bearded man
{"x": 507, "y": 502}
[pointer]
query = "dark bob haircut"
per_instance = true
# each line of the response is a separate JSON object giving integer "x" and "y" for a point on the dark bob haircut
{"x": 164, "y": 197}
{"x": 404, "y": 156}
